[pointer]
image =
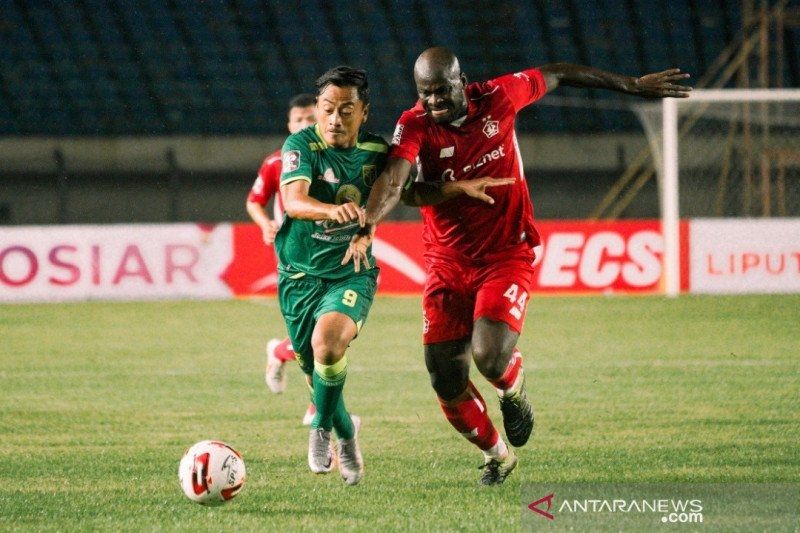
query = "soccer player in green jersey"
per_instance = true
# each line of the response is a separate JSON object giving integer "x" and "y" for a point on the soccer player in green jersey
{"x": 328, "y": 171}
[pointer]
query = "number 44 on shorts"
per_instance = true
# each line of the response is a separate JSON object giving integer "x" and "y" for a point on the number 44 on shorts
{"x": 518, "y": 300}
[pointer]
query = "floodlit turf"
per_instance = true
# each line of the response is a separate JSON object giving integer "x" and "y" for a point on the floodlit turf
{"x": 98, "y": 401}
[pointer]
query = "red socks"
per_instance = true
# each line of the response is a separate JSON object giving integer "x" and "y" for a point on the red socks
{"x": 284, "y": 351}
{"x": 470, "y": 418}
{"x": 509, "y": 377}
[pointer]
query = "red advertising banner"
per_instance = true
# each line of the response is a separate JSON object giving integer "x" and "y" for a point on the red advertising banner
{"x": 397, "y": 248}
{"x": 141, "y": 262}
{"x": 575, "y": 257}
{"x": 581, "y": 256}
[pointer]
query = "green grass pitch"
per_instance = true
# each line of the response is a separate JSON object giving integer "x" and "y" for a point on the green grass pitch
{"x": 98, "y": 401}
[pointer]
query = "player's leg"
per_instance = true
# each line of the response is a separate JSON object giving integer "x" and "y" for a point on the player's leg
{"x": 299, "y": 299}
{"x": 332, "y": 335}
{"x": 500, "y": 309}
{"x": 448, "y": 365}
{"x": 447, "y": 308}
{"x": 342, "y": 313}
{"x": 465, "y": 409}
{"x": 493, "y": 344}
{"x": 279, "y": 352}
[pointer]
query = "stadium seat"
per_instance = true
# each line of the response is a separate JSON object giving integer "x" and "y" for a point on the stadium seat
{"x": 85, "y": 67}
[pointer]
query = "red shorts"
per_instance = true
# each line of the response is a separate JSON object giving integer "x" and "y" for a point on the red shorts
{"x": 458, "y": 293}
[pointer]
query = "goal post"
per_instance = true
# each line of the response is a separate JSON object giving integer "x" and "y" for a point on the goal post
{"x": 723, "y": 144}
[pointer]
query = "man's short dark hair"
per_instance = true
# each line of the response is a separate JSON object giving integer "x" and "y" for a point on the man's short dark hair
{"x": 302, "y": 100}
{"x": 344, "y": 76}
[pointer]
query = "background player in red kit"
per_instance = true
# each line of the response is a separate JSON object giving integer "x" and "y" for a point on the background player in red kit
{"x": 266, "y": 186}
{"x": 478, "y": 230}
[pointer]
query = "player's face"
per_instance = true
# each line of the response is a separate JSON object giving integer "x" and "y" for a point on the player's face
{"x": 443, "y": 98}
{"x": 340, "y": 113}
{"x": 300, "y": 117}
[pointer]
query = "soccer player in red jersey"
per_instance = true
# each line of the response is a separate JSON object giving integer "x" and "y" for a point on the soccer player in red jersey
{"x": 266, "y": 186}
{"x": 478, "y": 230}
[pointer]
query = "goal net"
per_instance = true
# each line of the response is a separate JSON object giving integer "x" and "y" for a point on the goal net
{"x": 723, "y": 153}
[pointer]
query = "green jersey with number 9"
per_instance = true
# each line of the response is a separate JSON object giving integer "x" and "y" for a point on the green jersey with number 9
{"x": 336, "y": 176}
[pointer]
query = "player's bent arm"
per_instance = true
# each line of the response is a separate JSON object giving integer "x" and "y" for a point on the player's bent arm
{"x": 387, "y": 190}
{"x": 257, "y": 214}
{"x": 298, "y": 204}
{"x": 269, "y": 228}
{"x": 656, "y": 85}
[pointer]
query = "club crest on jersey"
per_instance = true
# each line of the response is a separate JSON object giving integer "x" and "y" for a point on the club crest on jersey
{"x": 369, "y": 174}
{"x": 447, "y": 152}
{"x": 398, "y": 134}
{"x": 490, "y": 127}
{"x": 291, "y": 161}
{"x": 348, "y": 193}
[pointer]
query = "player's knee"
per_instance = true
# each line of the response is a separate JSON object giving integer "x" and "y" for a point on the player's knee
{"x": 489, "y": 360}
{"x": 449, "y": 381}
{"x": 328, "y": 347}
{"x": 448, "y": 387}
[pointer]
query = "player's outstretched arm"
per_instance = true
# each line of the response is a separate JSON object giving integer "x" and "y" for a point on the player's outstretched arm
{"x": 421, "y": 193}
{"x": 299, "y": 205}
{"x": 656, "y": 85}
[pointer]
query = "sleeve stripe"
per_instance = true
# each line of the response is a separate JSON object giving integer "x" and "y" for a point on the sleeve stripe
{"x": 373, "y": 147}
{"x": 295, "y": 178}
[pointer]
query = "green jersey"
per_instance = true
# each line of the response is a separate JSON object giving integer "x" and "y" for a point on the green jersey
{"x": 337, "y": 176}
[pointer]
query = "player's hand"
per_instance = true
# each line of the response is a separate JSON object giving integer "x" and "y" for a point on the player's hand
{"x": 662, "y": 84}
{"x": 476, "y": 188}
{"x": 268, "y": 231}
{"x": 346, "y": 213}
{"x": 357, "y": 251}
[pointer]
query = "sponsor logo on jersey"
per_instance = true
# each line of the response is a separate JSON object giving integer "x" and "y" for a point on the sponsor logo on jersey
{"x": 490, "y": 127}
{"x": 291, "y": 161}
{"x": 398, "y": 134}
{"x": 522, "y": 76}
{"x": 494, "y": 155}
{"x": 330, "y": 227}
{"x": 328, "y": 176}
{"x": 369, "y": 173}
{"x": 447, "y": 152}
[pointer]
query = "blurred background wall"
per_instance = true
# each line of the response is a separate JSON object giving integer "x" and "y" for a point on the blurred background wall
{"x": 155, "y": 111}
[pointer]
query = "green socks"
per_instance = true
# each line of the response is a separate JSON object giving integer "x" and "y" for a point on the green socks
{"x": 328, "y": 398}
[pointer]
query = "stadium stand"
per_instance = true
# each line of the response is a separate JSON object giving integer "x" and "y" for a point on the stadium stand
{"x": 222, "y": 67}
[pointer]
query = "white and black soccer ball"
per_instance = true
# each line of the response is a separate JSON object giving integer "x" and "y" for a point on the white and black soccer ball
{"x": 211, "y": 472}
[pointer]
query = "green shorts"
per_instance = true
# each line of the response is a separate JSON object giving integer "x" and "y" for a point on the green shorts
{"x": 307, "y": 298}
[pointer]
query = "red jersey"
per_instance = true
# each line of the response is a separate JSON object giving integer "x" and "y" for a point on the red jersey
{"x": 267, "y": 184}
{"x": 483, "y": 143}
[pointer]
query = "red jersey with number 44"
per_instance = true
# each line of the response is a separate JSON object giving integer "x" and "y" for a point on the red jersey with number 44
{"x": 483, "y": 143}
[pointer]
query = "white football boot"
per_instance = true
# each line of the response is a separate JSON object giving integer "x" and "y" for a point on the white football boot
{"x": 320, "y": 451}
{"x": 351, "y": 463}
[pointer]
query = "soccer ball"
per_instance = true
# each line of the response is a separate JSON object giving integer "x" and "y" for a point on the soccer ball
{"x": 211, "y": 472}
